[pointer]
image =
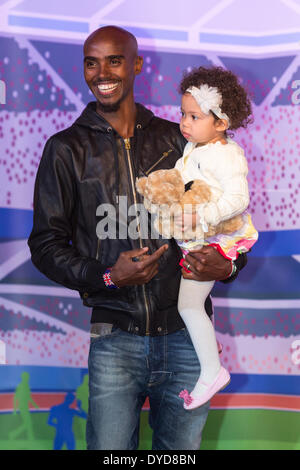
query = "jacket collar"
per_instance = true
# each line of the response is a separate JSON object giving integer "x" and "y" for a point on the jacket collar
{"x": 90, "y": 118}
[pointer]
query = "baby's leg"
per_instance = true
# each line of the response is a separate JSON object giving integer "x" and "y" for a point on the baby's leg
{"x": 191, "y": 300}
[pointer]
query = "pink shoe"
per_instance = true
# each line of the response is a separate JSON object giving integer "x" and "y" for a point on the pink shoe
{"x": 191, "y": 402}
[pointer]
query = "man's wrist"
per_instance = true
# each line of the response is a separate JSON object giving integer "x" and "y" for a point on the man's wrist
{"x": 233, "y": 269}
{"x": 109, "y": 283}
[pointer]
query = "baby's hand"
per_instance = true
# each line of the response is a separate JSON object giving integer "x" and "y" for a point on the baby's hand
{"x": 186, "y": 221}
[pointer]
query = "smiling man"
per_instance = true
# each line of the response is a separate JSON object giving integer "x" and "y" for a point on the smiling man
{"x": 110, "y": 67}
{"x": 139, "y": 344}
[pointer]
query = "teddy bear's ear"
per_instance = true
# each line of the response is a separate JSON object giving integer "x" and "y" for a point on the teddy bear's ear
{"x": 140, "y": 184}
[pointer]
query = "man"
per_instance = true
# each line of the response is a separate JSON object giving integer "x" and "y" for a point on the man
{"x": 139, "y": 344}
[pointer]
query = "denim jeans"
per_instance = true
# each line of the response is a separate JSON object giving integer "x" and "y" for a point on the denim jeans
{"x": 123, "y": 370}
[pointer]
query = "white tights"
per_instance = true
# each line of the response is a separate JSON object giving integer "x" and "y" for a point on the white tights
{"x": 192, "y": 296}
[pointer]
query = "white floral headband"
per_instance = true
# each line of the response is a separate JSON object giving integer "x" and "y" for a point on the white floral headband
{"x": 209, "y": 99}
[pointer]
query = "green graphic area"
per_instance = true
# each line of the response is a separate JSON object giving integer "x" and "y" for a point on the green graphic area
{"x": 252, "y": 429}
{"x": 243, "y": 429}
{"x": 22, "y": 398}
{"x": 64, "y": 424}
{"x": 225, "y": 429}
{"x": 44, "y": 435}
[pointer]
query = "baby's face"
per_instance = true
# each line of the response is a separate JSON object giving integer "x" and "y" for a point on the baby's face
{"x": 196, "y": 126}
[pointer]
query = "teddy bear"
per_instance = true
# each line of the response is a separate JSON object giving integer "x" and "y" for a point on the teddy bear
{"x": 166, "y": 195}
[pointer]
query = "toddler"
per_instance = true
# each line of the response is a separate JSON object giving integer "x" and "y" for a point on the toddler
{"x": 213, "y": 101}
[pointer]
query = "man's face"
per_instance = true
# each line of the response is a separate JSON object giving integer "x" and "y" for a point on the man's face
{"x": 110, "y": 66}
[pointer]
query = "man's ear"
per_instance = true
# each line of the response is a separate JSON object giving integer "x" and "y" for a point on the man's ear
{"x": 138, "y": 64}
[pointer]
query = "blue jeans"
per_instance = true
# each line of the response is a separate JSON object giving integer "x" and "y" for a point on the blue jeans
{"x": 123, "y": 370}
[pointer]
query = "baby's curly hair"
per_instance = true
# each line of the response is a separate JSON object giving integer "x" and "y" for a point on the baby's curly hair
{"x": 235, "y": 100}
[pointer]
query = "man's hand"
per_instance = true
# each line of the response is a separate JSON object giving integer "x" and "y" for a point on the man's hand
{"x": 128, "y": 272}
{"x": 206, "y": 264}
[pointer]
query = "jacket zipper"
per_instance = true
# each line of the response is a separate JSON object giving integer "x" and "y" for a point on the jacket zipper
{"x": 164, "y": 155}
{"x": 128, "y": 148}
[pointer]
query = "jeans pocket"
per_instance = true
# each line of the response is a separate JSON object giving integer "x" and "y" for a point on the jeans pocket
{"x": 102, "y": 331}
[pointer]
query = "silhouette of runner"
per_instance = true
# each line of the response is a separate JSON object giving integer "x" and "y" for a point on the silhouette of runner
{"x": 22, "y": 398}
{"x": 61, "y": 417}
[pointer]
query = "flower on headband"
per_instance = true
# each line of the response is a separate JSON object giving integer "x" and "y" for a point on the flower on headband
{"x": 209, "y": 99}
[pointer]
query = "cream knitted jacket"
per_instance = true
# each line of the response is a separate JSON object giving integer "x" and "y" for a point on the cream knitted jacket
{"x": 224, "y": 168}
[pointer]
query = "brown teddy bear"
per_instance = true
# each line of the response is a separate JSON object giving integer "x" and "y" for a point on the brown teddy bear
{"x": 166, "y": 196}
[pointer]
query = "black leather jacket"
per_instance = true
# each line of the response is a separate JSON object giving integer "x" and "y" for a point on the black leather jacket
{"x": 82, "y": 167}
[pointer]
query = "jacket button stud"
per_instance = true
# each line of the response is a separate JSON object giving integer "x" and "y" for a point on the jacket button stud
{"x": 85, "y": 295}
{"x": 136, "y": 328}
{"x": 159, "y": 329}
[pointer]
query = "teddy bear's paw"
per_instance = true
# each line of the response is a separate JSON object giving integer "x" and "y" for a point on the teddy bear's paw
{"x": 232, "y": 225}
{"x": 176, "y": 209}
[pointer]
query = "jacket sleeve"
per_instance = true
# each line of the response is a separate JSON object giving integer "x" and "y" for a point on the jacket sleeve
{"x": 50, "y": 241}
{"x": 230, "y": 169}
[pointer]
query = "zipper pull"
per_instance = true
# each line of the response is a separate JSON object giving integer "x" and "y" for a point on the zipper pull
{"x": 127, "y": 144}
